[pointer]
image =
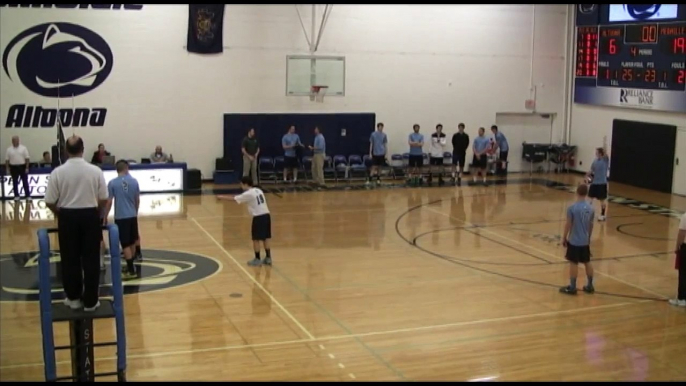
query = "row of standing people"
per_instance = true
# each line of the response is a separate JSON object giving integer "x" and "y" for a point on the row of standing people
{"x": 378, "y": 151}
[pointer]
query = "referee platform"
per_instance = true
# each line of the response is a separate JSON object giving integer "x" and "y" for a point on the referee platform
{"x": 81, "y": 331}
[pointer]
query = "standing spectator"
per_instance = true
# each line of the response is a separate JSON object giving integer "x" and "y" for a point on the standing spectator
{"x": 460, "y": 145}
{"x": 17, "y": 163}
{"x": 319, "y": 153}
{"x": 251, "y": 152}
{"x": 416, "y": 160}
{"x": 77, "y": 194}
{"x": 377, "y": 150}
{"x": 99, "y": 155}
{"x": 438, "y": 142}
{"x": 159, "y": 157}
{"x": 680, "y": 300}
{"x": 480, "y": 147}
{"x": 290, "y": 141}
{"x": 501, "y": 143}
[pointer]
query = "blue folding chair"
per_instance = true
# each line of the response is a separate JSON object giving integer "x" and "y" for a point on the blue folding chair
{"x": 266, "y": 169}
{"x": 329, "y": 171}
{"x": 307, "y": 166}
{"x": 397, "y": 166}
{"x": 340, "y": 164}
{"x": 357, "y": 167}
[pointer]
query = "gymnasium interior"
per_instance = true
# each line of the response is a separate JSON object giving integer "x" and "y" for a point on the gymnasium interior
{"x": 370, "y": 281}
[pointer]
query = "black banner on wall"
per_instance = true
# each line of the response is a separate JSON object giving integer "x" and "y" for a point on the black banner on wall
{"x": 205, "y": 28}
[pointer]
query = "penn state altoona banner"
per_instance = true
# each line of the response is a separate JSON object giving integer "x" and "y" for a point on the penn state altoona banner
{"x": 205, "y": 28}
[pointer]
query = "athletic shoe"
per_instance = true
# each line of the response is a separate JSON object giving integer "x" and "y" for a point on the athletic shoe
{"x": 255, "y": 262}
{"x": 91, "y": 309}
{"x": 568, "y": 290}
{"x": 126, "y": 275}
{"x": 17, "y": 199}
{"x": 589, "y": 289}
{"x": 73, "y": 304}
{"x": 267, "y": 261}
{"x": 678, "y": 302}
{"x": 602, "y": 218}
{"x": 138, "y": 257}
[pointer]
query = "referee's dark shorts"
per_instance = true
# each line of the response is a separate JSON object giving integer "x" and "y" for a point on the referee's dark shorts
{"x": 80, "y": 232}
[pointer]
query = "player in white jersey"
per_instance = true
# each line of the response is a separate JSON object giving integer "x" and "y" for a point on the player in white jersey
{"x": 261, "y": 220}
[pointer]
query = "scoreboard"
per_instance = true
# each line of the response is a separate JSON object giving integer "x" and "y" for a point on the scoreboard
{"x": 631, "y": 55}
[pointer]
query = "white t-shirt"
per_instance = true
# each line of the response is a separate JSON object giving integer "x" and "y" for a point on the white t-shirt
{"x": 257, "y": 204}
{"x": 75, "y": 185}
{"x": 17, "y": 155}
{"x": 438, "y": 144}
{"x": 682, "y": 223}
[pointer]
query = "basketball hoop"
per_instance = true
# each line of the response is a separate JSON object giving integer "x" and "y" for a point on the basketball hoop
{"x": 317, "y": 93}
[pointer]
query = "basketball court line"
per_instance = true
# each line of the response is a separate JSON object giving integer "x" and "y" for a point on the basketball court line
{"x": 249, "y": 276}
{"x": 547, "y": 253}
{"x": 354, "y": 336}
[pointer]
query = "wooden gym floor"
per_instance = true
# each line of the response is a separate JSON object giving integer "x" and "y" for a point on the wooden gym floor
{"x": 393, "y": 284}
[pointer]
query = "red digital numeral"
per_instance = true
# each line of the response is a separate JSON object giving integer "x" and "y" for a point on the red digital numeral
{"x": 650, "y": 76}
{"x": 613, "y": 47}
{"x": 679, "y": 45}
{"x": 649, "y": 34}
{"x": 681, "y": 76}
{"x": 627, "y": 74}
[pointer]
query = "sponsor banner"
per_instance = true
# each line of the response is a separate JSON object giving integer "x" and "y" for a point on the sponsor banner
{"x": 659, "y": 100}
{"x": 152, "y": 205}
{"x": 150, "y": 181}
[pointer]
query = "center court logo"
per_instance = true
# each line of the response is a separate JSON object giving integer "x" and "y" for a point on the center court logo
{"x": 57, "y": 59}
{"x": 159, "y": 270}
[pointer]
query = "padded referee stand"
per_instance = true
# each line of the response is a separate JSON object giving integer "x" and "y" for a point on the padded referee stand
{"x": 80, "y": 322}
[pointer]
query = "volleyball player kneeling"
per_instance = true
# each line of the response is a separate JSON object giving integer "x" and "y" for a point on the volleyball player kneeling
{"x": 261, "y": 219}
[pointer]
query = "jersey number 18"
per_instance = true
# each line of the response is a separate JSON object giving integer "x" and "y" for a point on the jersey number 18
{"x": 260, "y": 199}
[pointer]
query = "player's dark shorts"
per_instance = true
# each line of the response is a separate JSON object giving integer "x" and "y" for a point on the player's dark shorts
{"x": 578, "y": 254}
{"x": 262, "y": 227}
{"x": 459, "y": 158}
{"x": 128, "y": 231}
{"x": 480, "y": 162}
{"x": 503, "y": 155}
{"x": 598, "y": 191}
{"x": 436, "y": 161}
{"x": 378, "y": 160}
{"x": 290, "y": 162}
{"x": 416, "y": 161}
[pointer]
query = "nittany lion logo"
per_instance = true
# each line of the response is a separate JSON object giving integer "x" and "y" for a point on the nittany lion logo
{"x": 58, "y": 59}
{"x": 159, "y": 270}
{"x": 642, "y": 11}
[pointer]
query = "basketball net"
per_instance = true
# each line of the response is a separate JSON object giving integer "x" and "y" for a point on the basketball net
{"x": 318, "y": 92}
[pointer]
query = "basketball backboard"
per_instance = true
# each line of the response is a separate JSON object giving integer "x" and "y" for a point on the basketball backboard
{"x": 328, "y": 71}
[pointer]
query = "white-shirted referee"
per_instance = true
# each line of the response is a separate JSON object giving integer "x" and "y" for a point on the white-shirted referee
{"x": 77, "y": 193}
{"x": 17, "y": 162}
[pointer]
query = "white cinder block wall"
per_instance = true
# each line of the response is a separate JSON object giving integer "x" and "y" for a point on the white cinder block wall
{"x": 408, "y": 64}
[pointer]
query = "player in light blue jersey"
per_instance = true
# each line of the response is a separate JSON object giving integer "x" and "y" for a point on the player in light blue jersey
{"x": 598, "y": 176}
{"x": 577, "y": 239}
{"x": 416, "y": 161}
{"x": 124, "y": 192}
